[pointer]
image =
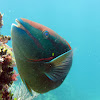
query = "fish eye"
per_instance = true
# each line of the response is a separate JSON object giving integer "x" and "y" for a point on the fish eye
{"x": 45, "y": 34}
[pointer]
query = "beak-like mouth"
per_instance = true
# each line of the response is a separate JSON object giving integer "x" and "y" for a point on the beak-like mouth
{"x": 19, "y": 25}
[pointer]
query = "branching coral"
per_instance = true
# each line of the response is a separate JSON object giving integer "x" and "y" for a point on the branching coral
{"x": 21, "y": 93}
{"x": 7, "y": 76}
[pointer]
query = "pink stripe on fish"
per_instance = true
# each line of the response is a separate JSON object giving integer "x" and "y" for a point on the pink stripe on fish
{"x": 42, "y": 59}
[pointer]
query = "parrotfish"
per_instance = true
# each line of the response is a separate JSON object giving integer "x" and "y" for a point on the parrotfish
{"x": 43, "y": 57}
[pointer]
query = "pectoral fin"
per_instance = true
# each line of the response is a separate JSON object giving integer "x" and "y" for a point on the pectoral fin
{"x": 60, "y": 66}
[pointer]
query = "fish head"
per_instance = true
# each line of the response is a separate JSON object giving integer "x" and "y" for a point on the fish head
{"x": 32, "y": 40}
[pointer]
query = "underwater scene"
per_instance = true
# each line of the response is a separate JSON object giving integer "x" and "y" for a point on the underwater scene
{"x": 49, "y": 50}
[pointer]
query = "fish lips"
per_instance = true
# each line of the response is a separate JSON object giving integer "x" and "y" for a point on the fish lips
{"x": 18, "y": 30}
{"x": 18, "y": 25}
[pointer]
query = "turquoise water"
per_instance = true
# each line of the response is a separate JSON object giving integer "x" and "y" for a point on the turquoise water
{"x": 78, "y": 21}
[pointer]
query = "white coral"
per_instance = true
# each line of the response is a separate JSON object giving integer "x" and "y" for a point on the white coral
{"x": 21, "y": 93}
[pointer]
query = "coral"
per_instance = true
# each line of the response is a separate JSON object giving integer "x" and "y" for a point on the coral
{"x": 7, "y": 76}
{"x": 14, "y": 76}
{"x": 1, "y": 21}
{"x": 21, "y": 93}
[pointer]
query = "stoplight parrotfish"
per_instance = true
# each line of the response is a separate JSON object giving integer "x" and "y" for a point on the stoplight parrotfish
{"x": 43, "y": 57}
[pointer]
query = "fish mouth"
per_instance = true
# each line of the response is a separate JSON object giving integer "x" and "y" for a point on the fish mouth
{"x": 19, "y": 25}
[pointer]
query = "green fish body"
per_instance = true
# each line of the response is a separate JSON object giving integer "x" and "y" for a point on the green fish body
{"x": 43, "y": 58}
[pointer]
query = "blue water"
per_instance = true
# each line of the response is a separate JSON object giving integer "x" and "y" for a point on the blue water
{"x": 78, "y": 21}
